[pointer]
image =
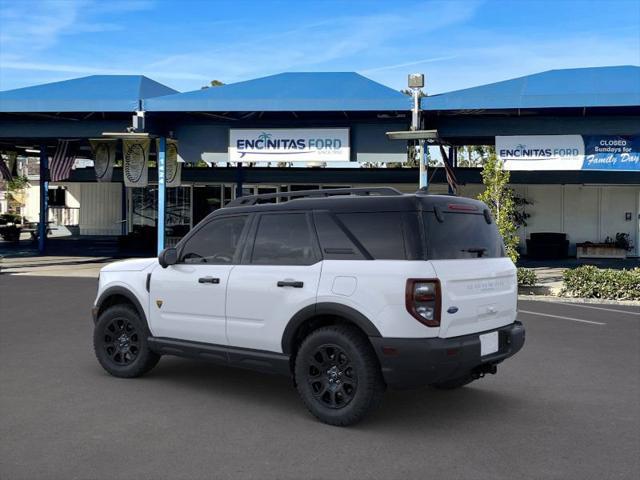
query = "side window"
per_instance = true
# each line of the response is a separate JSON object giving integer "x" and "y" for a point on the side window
{"x": 215, "y": 243}
{"x": 380, "y": 233}
{"x": 283, "y": 239}
{"x": 334, "y": 241}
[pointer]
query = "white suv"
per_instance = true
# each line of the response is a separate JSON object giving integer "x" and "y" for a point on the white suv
{"x": 348, "y": 291}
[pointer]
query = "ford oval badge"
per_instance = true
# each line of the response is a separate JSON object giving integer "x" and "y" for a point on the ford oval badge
{"x": 452, "y": 309}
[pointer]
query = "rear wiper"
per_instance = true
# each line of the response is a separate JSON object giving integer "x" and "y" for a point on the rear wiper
{"x": 479, "y": 250}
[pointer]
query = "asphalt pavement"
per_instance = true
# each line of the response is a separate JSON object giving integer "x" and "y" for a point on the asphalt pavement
{"x": 567, "y": 406}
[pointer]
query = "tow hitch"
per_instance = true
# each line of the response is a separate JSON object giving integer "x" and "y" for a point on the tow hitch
{"x": 482, "y": 370}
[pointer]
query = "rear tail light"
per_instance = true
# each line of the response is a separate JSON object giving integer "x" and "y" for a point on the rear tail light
{"x": 422, "y": 299}
{"x": 462, "y": 207}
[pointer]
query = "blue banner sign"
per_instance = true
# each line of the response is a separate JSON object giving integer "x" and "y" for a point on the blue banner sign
{"x": 611, "y": 152}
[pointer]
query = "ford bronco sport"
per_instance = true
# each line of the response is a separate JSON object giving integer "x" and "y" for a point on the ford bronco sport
{"x": 348, "y": 291}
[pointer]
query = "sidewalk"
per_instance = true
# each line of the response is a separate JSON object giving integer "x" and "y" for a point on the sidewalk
{"x": 549, "y": 281}
{"x": 58, "y": 266}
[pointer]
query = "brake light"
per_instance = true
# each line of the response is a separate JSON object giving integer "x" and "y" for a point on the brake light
{"x": 422, "y": 298}
{"x": 462, "y": 207}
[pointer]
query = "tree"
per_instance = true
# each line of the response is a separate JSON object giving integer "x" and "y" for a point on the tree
{"x": 474, "y": 155}
{"x": 213, "y": 83}
{"x": 15, "y": 194}
{"x": 500, "y": 200}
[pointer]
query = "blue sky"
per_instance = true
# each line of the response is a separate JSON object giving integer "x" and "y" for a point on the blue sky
{"x": 184, "y": 44}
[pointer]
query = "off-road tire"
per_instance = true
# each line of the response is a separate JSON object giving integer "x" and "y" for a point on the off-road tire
{"x": 120, "y": 342}
{"x": 353, "y": 388}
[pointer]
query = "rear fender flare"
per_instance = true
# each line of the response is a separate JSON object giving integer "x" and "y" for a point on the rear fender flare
{"x": 326, "y": 308}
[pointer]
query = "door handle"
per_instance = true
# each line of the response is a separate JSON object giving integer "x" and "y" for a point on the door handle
{"x": 209, "y": 280}
{"x": 290, "y": 283}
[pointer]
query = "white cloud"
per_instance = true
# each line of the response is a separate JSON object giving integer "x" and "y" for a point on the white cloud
{"x": 408, "y": 64}
{"x": 31, "y": 27}
{"x": 383, "y": 43}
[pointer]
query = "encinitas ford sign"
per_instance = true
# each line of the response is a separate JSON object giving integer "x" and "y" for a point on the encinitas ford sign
{"x": 569, "y": 152}
{"x": 541, "y": 152}
{"x": 289, "y": 145}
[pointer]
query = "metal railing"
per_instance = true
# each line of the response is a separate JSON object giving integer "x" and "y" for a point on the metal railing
{"x": 64, "y": 215}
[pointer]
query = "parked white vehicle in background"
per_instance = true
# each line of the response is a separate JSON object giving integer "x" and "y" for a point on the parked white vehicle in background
{"x": 348, "y": 291}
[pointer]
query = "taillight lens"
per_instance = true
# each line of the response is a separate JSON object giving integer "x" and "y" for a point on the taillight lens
{"x": 423, "y": 301}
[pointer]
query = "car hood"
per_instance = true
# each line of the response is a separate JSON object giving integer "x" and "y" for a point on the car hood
{"x": 133, "y": 265}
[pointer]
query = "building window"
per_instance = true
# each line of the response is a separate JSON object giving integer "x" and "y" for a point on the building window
{"x": 57, "y": 197}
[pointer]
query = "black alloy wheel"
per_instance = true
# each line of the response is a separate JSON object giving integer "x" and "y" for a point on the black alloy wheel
{"x": 120, "y": 342}
{"x": 338, "y": 375}
{"x": 332, "y": 377}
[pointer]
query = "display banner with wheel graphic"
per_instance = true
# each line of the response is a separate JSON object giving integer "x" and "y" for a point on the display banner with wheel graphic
{"x": 173, "y": 166}
{"x": 135, "y": 154}
{"x": 104, "y": 157}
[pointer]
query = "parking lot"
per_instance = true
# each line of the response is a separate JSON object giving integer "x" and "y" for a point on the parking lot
{"x": 566, "y": 407}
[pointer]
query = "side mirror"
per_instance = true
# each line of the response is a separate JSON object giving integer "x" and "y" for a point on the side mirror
{"x": 168, "y": 256}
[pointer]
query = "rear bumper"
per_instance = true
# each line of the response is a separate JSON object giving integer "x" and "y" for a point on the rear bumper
{"x": 414, "y": 362}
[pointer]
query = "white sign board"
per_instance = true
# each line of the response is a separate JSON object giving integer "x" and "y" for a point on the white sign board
{"x": 541, "y": 152}
{"x": 289, "y": 145}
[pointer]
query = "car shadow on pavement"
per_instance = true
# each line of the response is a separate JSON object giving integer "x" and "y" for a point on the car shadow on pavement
{"x": 400, "y": 409}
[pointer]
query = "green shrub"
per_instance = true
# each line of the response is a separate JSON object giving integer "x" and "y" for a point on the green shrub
{"x": 592, "y": 282}
{"x": 527, "y": 277}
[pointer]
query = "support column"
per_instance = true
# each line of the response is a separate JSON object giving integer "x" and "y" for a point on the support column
{"x": 422, "y": 155}
{"x": 124, "y": 231}
{"x": 162, "y": 153}
{"x": 44, "y": 200}
{"x": 452, "y": 163}
{"x": 239, "y": 179}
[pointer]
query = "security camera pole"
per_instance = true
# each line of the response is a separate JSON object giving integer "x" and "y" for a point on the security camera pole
{"x": 416, "y": 83}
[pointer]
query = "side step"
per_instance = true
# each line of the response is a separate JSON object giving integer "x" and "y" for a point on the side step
{"x": 260, "y": 360}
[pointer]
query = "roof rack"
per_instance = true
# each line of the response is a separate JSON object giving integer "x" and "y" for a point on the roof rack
{"x": 254, "y": 199}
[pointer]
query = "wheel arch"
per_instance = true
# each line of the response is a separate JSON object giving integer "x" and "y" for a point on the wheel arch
{"x": 321, "y": 314}
{"x": 117, "y": 295}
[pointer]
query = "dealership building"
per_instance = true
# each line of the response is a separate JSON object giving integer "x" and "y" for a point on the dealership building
{"x": 571, "y": 139}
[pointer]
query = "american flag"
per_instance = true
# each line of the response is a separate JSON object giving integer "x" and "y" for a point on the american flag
{"x": 451, "y": 176}
{"x": 62, "y": 161}
{"x": 4, "y": 170}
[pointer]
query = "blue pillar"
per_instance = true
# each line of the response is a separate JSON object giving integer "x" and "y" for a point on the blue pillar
{"x": 162, "y": 151}
{"x": 44, "y": 199}
{"x": 424, "y": 179}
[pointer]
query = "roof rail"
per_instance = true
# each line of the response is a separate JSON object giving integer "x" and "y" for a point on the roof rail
{"x": 254, "y": 199}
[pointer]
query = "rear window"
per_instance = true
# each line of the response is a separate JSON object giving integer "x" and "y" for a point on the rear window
{"x": 461, "y": 235}
{"x": 380, "y": 233}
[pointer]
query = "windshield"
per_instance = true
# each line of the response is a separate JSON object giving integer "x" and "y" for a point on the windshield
{"x": 461, "y": 235}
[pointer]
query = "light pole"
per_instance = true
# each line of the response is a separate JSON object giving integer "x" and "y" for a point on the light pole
{"x": 416, "y": 83}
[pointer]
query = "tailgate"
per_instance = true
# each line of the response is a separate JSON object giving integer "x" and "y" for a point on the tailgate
{"x": 484, "y": 291}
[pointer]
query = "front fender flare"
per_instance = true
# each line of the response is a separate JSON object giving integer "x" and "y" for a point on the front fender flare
{"x": 118, "y": 290}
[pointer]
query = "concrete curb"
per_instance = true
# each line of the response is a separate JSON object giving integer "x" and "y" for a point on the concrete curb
{"x": 538, "y": 290}
{"x": 598, "y": 301}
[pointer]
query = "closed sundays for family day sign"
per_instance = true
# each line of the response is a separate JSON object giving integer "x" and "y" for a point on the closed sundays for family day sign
{"x": 569, "y": 152}
{"x": 289, "y": 145}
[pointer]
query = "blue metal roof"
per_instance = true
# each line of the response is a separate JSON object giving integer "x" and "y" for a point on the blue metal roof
{"x": 299, "y": 92}
{"x": 577, "y": 87}
{"x": 96, "y": 93}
